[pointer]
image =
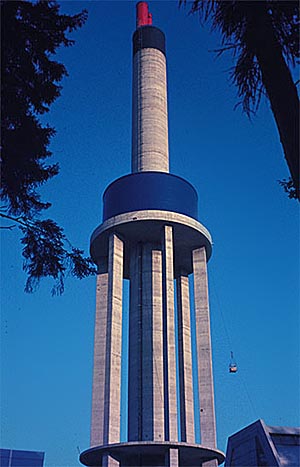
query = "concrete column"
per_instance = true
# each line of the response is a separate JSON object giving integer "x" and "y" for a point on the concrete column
{"x": 204, "y": 356}
{"x": 157, "y": 339}
{"x": 146, "y": 401}
{"x": 172, "y": 458}
{"x": 112, "y": 396}
{"x": 213, "y": 463}
{"x": 147, "y": 389}
{"x": 185, "y": 361}
{"x": 135, "y": 339}
{"x": 171, "y": 430}
{"x": 100, "y": 370}
{"x": 108, "y": 461}
{"x": 150, "y": 149}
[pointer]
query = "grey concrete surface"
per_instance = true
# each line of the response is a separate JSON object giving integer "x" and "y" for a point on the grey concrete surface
{"x": 149, "y": 112}
{"x": 145, "y": 402}
{"x": 100, "y": 370}
{"x": 204, "y": 354}
{"x": 171, "y": 428}
{"x": 185, "y": 360}
{"x": 112, "y": 402}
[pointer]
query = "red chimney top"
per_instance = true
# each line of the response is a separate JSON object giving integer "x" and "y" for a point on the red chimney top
{"x": 143, "y": 17}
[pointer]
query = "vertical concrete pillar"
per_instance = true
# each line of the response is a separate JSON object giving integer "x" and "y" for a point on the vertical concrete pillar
{"x": 150, "y": 149}
{"x": 172, "y": 458}
{"x": 204, "y": 356}
{"x": 100, "y": 370}
{"x": 112, "y": 396}
{"x": 134, "y": 344}
{"x": 171, "y": 429}
{"x": 108, "y": 461}
{"x": 147, "y": 350}
{"x": 105, "y": 426}
{"x": 146, "y": 378}
{"x": 185, "y": 360}
{"x": 157, "y": 339}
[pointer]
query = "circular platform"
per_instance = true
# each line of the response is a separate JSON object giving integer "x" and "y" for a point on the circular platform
{"x": 146, "y": 226}
{"x": 151, "y": 453}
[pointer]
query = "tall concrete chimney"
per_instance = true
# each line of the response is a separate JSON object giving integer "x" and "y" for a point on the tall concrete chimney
{"x": 151, "y": 236}
{"x": 150, "y": 149}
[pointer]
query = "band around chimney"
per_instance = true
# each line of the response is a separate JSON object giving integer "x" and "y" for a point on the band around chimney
{"x": 149, "y": 37}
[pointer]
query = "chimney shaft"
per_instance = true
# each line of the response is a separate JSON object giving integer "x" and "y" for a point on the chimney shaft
{"x": 150, "y": 150}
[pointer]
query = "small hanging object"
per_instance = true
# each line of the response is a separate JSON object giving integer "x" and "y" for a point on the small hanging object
{"x": 232, "y": 364}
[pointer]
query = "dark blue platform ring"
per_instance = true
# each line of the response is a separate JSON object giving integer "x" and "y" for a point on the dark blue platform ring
{"x": 137, "y": 453}
{"x": 150, "y": 190}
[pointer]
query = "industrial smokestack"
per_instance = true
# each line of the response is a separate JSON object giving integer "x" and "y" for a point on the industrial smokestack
{"x": 150, "y": 148}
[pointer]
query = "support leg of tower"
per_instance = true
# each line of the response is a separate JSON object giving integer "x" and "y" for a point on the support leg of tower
{"x": 157, "y": 337}
{"x": 172, "y": 458}
{"x": 185, "y": 360}
{"x": 146, "y": 391}
{"x": 108, "y": 461}
{"x": 213, "y": 463}
{"x": 112, "y": 409}
{"x": 99, "y": 376}
{"x": 204, "y": 356}
{"x": 135, "y": 339}
{"x": 169, "y": 335}
{"x": 107, "y": 373}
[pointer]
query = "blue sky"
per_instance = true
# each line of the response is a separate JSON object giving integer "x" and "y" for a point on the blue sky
{"x": 234, "y": 163}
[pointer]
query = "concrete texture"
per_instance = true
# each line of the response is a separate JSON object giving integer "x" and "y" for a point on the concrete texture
{"x": 152, "y": 453}
{"x": 146, "y": 226}
{"x": 108, "y": 461}
{"x": 172, "y": 458}
{"x": 105, "y": 424}
{"x": 158, "y": 368}
{"x": 204, "y": 356}
{"x": 135, "y": 338}
{"x": 112, "y": 399}
{"x": 185, "y": 360}
{"x": 149, "y": 112}
{"x": 100, "y": 370}
{"x": 171, "y": 431}
{"x": 212, "y": 463}
{"x": 166, "y": 217}
{"x": 145, "y": 399}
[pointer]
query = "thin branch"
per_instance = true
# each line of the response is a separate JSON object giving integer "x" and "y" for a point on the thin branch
{"x": 8, "y": 227}
{"x": 19, "y": 220}
{"x": 224, "y": 49}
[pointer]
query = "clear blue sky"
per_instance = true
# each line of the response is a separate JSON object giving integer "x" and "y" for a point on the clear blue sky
{"x": 47, "y": 343}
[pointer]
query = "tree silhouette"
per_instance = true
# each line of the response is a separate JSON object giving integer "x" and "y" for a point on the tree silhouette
{"x": 264, "y": 39}
{"x": 31, "y": 34}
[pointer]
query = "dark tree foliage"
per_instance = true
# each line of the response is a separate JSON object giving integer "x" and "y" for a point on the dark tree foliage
{"x": 31, "y": 33}
{"x": 264, "y": 38}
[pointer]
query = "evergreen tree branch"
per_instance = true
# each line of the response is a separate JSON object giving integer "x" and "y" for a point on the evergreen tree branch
{"x": 48, "y": 253}
{"x": 30, "y": 35}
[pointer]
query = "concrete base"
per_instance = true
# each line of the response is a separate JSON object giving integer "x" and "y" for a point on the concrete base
{"x": 155, "y": 454}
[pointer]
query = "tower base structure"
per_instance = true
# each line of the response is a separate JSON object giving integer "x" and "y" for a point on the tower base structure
{"x": 180, "y": 241}
{"x": 151, "y": 453}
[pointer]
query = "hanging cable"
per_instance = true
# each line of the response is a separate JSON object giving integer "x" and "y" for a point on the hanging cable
{"x": 229, "y": 341}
